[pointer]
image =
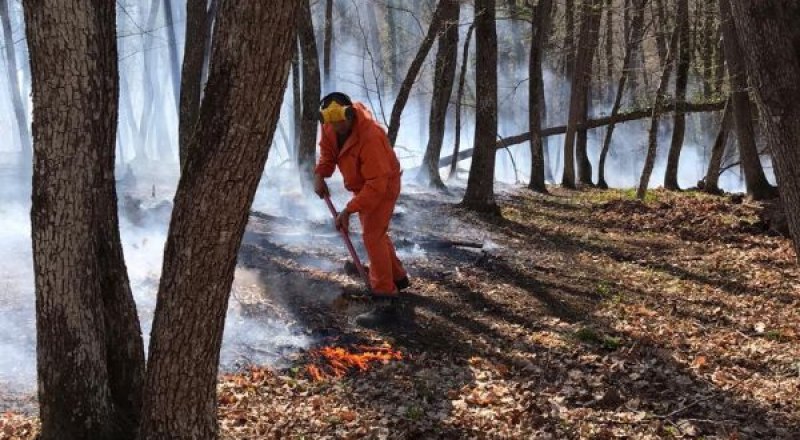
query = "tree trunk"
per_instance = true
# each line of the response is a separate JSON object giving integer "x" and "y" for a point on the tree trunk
{"x": 13, "y": 85}
{"x": 710, "y": 183}
{"x": 480, "y": 185}
{"x": 172, "y": 40}
{"x": 756, "y": 181}
{"x": 459, "y": 97}
{"x": 766, "y": 31}
{"x": 252, "y": 48}
{"x": 194, "y": 52}
{"x": 569, "y": 39}
{"x": 609, "y": 50}
{"x": 684, "y": 57}
{"x": 413, "y": 71}
{"x": 541, "y": 29}
{"x": 631, "y": 48}
{"x": 394, "y": 45}
{"x": 326, "y": 46}
{"x": 90, "y": 357}
{"x": 707, "y": 47}
{"x": 661, "y": 24}
{"x": 579, "y": 92}
{"x": 442, "y": 89}
{"x": 293, "y": 147}
{"x": 652, "y": 138}
{"x": 306, "y": 152}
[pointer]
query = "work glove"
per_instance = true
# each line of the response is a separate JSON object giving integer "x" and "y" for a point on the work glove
{"x": 320, "y": 187}
{"x": 343, "y": 221}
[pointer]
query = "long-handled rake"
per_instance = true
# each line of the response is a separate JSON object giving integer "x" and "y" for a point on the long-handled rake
{"x": 349, "y": 243}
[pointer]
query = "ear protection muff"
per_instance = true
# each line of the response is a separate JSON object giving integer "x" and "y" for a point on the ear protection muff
{"x": 336, "y": 107}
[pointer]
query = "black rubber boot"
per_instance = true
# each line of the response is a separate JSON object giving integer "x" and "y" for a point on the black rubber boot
{"x": 384, "y": 311}
{"x": 403, "y": 283}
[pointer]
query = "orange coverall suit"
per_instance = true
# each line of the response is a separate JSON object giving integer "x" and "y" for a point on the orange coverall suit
{"x": 372, "y": 172}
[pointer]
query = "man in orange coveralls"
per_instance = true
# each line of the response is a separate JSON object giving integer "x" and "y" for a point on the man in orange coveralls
{"x": 354, "y": 141}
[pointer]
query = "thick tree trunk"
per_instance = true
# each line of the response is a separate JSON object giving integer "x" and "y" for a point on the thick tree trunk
{"x": 661, "y": 24}
{"x": 684, "y": 59}
{"x": 413, "y": 71}
{"x": 252, "y": 48}
{"x": 306, "y": 151}
{"x": 756, "y": 181}
{"x": 710, "y": 183}
{"x": 707, "y": 47}
{"x": 442, "y": 89}
{"x": 13, "y": 85}
{"x": 541, "y": 29}
{"x": 652, "y": 138}
{"x": 579, "y": 92}
{"x": 631, "y": 48}
{"x": 480, "y": 185}
{"x": 90, "y": 358}
{"x": 326, "y": 47}
{"x": 767, "y": 33}
{"x": 194, "y": 52}
{"x": 459, "y": 97}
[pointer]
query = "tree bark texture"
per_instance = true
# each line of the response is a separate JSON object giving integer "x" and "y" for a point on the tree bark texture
{"x": 770, "y": 44}
{"x": 90, "y": 357}
{"x": 194, "y": 52}
{"x": 579, "y": 90}
{"x": 756, "y": 181}
{"x": 306, "y": 151}
{"x": 684, "y": 59}
{"x": 541, "y": 29}
{"x": 479, "y": 195}
{"x": 444, "y": 76}
{"x": 13, "y": 84}
{"x": 253, "y": 43}
{"x": 631, "y": 48}
{"x": 413, "y": 70}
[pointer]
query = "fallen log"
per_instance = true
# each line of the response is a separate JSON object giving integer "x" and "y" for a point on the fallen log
{"x": 686, "y": 107}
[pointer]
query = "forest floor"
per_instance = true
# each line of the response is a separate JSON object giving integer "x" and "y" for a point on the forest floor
{"x": 585, "y": 314}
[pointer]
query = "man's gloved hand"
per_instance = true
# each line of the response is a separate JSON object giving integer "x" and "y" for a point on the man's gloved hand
{"x": 343, "y": 220}
{"x": 320, "y": 187}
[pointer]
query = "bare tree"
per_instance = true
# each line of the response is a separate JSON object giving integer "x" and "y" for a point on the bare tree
{"x": 252, "y": 47}
{"x": 684, "y": 57}
{"x": 444, "y": 77}
{"x": 194, "y": 52}
{"x": 480, "y": 185}
{"x": 767, "y": 31}
{"x": 326, "y": 46}
{"x": 631, "y": 49}
{"x": 89, "y": 346}
{"x": 306, "y": 152}
{"x": 13, "y": 84}
{"x": 536, "y": 103}
{"x": 652, "y": 138}
{"x": 413, "y": 70}
{"x": 459, "y": 98}
{"x": 172, "y": 43}
{"x": 710, "y": 183}
{"x": 756, "y": 181}
{"x": 579, "y": 91}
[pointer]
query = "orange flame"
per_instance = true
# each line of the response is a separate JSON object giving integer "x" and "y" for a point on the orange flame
{"x": 337, "y": 362}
